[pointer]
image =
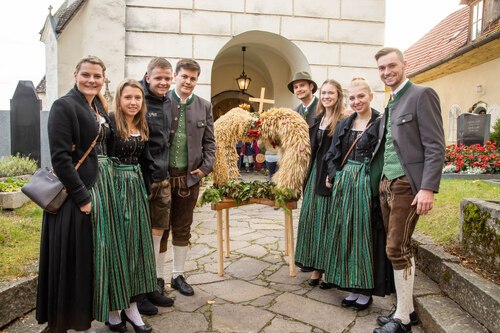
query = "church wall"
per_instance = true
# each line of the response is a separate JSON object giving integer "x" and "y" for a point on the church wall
{"x": 186, "y": 4}
{"x": 51, "y": 61}
{"x": 103, "y": 36}
{"x": 310, "y": 29}
{"x": 335, "y": 36}
{"x": 221, "y": 5}
{"x": 207, "y": 47}
{"x": 205, "y": 23}
{"x": 139, "y": 19}
{"x": 356, "y": 32}
{"x": 318, "y": 8}
{"x": 69, "y": 52}
{"x": 364, "y": 10}
{"x": 276, "y": 7}
{"x": 320, "y": 53}
{"x": 156, "y": 44}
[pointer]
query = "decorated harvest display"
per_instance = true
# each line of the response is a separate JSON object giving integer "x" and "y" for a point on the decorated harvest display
{"x": 282, "y": 128}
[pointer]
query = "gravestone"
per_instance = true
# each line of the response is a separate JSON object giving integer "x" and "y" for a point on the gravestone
{"x": 473, "y": 128}
{"x": 4, "y": 133}
{"x": 25, "y": 109}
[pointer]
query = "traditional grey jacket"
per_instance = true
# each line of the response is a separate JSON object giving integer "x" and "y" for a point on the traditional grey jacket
{"x": 418, "y": 136}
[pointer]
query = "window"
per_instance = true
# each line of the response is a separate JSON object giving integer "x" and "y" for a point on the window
{"x": 477, "y": 19}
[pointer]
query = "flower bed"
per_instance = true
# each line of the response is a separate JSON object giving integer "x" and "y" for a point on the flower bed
{"x": 473, "y": 159}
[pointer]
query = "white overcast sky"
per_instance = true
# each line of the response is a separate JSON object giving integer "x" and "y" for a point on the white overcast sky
{"x": 22, "y": 55}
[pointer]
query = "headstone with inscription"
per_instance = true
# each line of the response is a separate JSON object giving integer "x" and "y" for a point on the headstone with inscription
{"x": 473, "y": 128}
{"x": 25, "y": 109}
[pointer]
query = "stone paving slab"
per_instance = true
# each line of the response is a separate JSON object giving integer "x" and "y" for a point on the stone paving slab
{"x": 279, "y": 325}
{"x": 327, "y": 317}
{"x": 239, "y": 318}
{"x": 235, "y": 291}
{"x": 246, "y": 268}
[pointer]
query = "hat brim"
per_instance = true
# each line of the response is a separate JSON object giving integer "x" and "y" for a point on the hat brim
{"x": 315, "y": 86}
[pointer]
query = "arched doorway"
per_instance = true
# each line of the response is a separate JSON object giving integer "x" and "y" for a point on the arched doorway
{"x": 270, "y": 60}
{"x": 229, "y": 99}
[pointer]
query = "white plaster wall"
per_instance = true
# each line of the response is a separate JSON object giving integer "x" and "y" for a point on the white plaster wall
{"x": 51, "y": 69}
{"x": 249, "y": 22}
{"x": 220, "y": 5}
{"x": 274, "y": 7}
{"x": 139, "y": 19}
{"x": 207, "y": 47}
{"x": 335, "y": 36}
{"x": 464, "y": 88}
{"x": 304, "y": 29}
{"x": 187, "y": 4}
{"x": 363, "y": 10}
{"x": 318, "y": 8}
{"x": 356, "y": 32}
{"x": 205, "y": 23}
{"x": 103, "y": 36}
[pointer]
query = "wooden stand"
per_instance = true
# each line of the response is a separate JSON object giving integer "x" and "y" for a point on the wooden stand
{"x": 223, "y": 224}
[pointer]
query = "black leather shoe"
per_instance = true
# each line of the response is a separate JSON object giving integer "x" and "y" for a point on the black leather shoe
{"x": 121, "y": 327}
{"x": 180, "y": 284}
{"x": 160, "y": 300}
{"x": 161, "y": 285}
{"x": 361, "y": 307}
{"x": 393, "y": 326}
{"x": 307, "y": 269}
{"x": 138, "y": 329}
{"x": 382, "y": 320}
{"x": 313, "y": 282}
{"x": 346, "y": 303}
{"x": 146, "y": 308}
{"x": 325, "y": 285}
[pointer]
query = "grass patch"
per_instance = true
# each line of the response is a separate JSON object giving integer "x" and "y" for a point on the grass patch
{"x": 19, "y": 240}
{"x": 443, "y": 222}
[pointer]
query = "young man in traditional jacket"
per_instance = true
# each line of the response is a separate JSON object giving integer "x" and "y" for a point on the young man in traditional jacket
{"x": 413, "y": 149}
{"x": 192, "y": 155}
{"x": 303, "y": 87}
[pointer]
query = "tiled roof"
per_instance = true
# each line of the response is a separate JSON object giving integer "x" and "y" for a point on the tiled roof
{"x": 442, "y": 41}
{"x": 64, "y": 14}
{"x": 41, "y": 86}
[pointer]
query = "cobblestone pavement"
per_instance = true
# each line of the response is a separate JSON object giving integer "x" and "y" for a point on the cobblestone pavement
{"x": 256, "y": 293}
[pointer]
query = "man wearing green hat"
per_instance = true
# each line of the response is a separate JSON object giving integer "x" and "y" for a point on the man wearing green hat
{"x": 303, "y": 87}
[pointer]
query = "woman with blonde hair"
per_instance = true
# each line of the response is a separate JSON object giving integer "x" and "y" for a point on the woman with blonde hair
{"x": 311, "y": 242}
{"x": 65, "y": 278}
{"x": 354, "y": 261}
{"x": 130, "y": 153}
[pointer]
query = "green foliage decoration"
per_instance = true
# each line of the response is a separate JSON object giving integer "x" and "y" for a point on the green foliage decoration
{"x": 242, "y": 192}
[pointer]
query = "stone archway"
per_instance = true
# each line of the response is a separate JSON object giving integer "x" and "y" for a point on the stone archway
{"x": 270, "y": 60}
{"x": 227, "y": 100}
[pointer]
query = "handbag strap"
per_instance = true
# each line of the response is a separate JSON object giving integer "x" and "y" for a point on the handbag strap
{"x": 353, "y": 145}
{"x": 92, "y": 145}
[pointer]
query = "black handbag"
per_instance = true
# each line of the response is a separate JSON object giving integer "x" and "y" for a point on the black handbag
{"x": 46, "y": 190}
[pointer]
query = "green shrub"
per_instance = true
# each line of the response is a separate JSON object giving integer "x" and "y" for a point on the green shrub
{"x": 11, "y": 166}
{"x": 495, "y": 134}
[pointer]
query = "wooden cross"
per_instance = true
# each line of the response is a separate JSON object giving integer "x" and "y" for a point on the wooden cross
{"x": 261, "y": 100}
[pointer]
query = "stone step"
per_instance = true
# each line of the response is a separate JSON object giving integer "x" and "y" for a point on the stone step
{"x": 25, "y": 324}
{"x": 17, "y": 298}
{"x": 439, "y": 314}
{"x": 477, "y": 296}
